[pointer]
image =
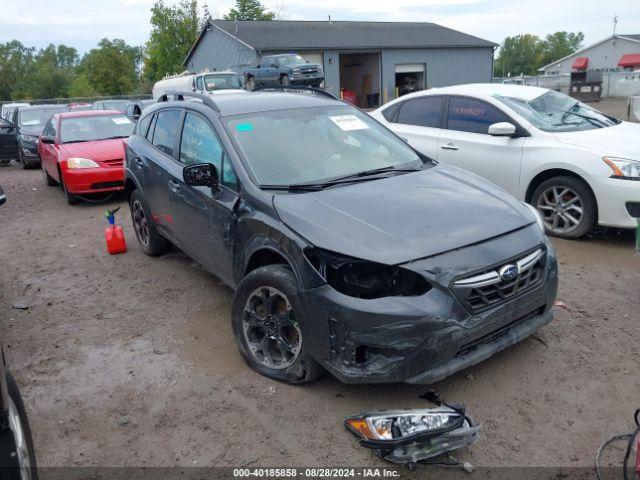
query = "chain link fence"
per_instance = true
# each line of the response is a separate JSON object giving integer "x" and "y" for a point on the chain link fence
{"x": 63, "y": 101}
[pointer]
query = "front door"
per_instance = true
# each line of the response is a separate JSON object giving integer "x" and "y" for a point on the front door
{"x": 205, "y": 218}
{"x": 465, "y": 143}
{"x": 8, "y": 140}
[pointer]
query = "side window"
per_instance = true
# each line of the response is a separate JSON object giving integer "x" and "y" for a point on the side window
{"x": 421, "y": 112}
{"x": 167, "y": 129}
{"x": 199, "y": 84}
{"x": 143, "y": 125}
{"x": 200, "y": 144}
{"x": 475, "y": 116}
{"x": 152, "y": 127}
{"x": 50, "y": 130}
{"x": 47, "y": 129}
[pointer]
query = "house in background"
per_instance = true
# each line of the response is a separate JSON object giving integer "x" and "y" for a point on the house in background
{"x": 616, "y": 53}
{"x": 368, "y": 58}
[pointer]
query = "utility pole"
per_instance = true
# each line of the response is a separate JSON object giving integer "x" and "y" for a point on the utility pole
{"x": 615, "y": 23}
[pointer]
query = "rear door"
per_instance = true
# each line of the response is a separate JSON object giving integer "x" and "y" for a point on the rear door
{"x": 419, "y": 121}
{"x": 162, "y": 171}
{"x": 205, "y": 218}
{"x": 466, "y": 143}
{"x": 8, "y": 140}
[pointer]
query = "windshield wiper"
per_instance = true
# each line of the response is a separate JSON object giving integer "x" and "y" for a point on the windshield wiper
{"x": 591, "y": 120}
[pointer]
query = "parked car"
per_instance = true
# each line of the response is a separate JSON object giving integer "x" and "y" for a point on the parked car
{"x": 283, "y": 70}
{"x": 109, "y": 105}
{"x": 572, "y": 162}
{"x": 205, "y": 82}
{"x": 7, "y": 108}
{"x": 78, "y": 106}
{"x": 8, "y": 141}
{"x": 17, "y": 455}
{"x": 29, "y": 123}
{"x": 134, "y": 108}
{"x": 346, "y": 248}
{"x": 83, "y": 151}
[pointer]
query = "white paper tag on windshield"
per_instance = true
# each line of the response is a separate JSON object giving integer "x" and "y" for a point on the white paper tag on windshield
{"x": 349, "y": 122}
{"x": 121, "y": 120}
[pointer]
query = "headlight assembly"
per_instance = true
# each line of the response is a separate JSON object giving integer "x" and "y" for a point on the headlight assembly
{"x": 623, "y": 168}
{"x": 29, "y": 138}
{"x": 364, "y": 279}
{"x": 413, "y": 436}
{"x": 536, "y": 213}
{"x": 77, "y": 162}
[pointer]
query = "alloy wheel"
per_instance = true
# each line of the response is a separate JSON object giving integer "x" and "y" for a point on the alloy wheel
{"x": 270, "y": 329}
{"x": 140, "y": 223}
{"x": 561, "y": 208}
{"x": 22, "y": 449}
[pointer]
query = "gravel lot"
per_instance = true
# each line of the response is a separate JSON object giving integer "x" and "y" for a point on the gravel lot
{"x": 129, "y": 361}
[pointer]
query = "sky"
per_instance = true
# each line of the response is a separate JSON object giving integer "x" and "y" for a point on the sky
{"x": 82, "y": 23}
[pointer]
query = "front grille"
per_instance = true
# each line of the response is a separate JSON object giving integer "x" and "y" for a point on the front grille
{"x": 308, "y": 71}
{"x": 99, "y": 185}
{"x": 113, "y": 163}
{"x": 489, "y": 288}
{"x": 634, "y": 209}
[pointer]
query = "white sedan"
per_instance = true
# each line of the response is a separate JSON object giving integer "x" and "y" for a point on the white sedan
{"x": 576, "y": 165}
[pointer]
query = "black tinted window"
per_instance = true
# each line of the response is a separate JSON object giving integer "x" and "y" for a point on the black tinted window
{"x": 166, "y": 131}
{"x": 421, "y": 112}
{"x": 475, "y": 116}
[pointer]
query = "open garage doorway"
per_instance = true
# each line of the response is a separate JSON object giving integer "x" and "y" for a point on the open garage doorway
{"x": 410, "y": 77}
{"x": 360, "y": 78}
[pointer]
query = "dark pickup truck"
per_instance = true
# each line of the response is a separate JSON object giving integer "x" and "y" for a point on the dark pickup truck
{"x": 283, "y": 70}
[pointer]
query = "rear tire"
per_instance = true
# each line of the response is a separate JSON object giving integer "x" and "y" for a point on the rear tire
{"x": 251, "y": 84}
{"x": 149, "y": 239}
{"x": 266, "y": 317}
{"x": 567, "y": 206}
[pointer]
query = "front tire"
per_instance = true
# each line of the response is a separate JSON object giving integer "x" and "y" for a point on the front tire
{"x": 70, "y": 197}
{"x": 567, "y": 206}
{"x": 284, "y": 81}
{"x": 150, "y": 240}
{"x": 48, "y": 179}
{"x": 251, "y": 84}
{"x": 267, "y": 321}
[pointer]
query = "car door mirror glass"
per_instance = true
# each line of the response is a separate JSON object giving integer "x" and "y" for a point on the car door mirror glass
{"x": 502, "y": 129}
{"x": 201, "y": 175}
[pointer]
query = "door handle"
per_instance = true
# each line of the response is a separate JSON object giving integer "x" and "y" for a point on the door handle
{"x": 449, "y": 146}
{"x": 139, "y": 162}
{"x": 174, "y": 186}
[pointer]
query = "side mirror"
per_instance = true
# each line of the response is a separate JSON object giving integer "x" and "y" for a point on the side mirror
{"x": 201, "y": 175}
{"x": 49, "y": 140}
{"x": 502, "y": 129}
{"x": 3, "y": 197}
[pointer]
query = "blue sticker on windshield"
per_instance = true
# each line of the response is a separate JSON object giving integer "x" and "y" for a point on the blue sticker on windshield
{"x": 244, "y": 127}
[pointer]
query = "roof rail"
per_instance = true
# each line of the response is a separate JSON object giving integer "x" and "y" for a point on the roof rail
{"x": 296, "y": 89}
{"x": 177, "y": 95}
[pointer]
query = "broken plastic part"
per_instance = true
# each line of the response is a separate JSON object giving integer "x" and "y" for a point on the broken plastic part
{"x": 414, "y": 436}
{"x": 364, "y": 279}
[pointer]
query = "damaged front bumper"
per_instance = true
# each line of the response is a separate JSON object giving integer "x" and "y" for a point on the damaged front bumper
{"x": 423, "y": 339}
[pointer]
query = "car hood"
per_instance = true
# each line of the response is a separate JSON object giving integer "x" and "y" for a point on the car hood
{"x": 618, "y": 140}
{"x": 405, "y": 217}
{"x": 34, "y": 131}
{"x": 100, "y": 150}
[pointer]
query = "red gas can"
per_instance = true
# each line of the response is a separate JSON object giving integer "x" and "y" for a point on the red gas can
{"x": 114, "y": 235}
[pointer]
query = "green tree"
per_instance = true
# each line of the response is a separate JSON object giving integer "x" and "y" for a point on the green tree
{"x": 51, "y": 72}
{"x": 81, "y": 86}
{"x": 174, "y": 30}
{"x": 249, "y": 10}
{"x": 560, "y": 44}
{"x": 16, "y": 61}
{"x": 519, "y": 55}
{"x": 112, "y": 68}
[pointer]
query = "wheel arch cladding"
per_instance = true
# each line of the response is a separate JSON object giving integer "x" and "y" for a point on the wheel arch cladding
{"x": 554, "y": 172}
{"x": 129, "y": 187}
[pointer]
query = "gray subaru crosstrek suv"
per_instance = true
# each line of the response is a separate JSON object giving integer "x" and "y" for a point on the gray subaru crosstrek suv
{"x": 347, "y": 249}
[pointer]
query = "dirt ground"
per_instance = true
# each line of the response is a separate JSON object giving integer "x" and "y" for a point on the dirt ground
{"x": 129, "y": 360}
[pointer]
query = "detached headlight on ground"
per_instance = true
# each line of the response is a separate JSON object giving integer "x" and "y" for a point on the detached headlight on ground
{"x": 536, "y": 213}
{"x": 623, "y": 168}
{"x": 77, "y": 162}
{"x": 414, "y": 436}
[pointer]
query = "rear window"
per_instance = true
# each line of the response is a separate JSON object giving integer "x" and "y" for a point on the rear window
{"x": 422, "y": 112}
{"x": 98, "y": 127}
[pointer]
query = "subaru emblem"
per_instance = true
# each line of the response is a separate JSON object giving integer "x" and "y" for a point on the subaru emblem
{"x": 508, "y": 272}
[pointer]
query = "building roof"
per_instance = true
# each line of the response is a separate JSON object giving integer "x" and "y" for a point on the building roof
{"x": 633, "y": 37}
{"x": 324, "y": 35}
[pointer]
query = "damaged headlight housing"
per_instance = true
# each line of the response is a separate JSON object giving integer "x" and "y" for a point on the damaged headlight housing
{"x": 414, "y": 435}
{"x": 364, "y": 279}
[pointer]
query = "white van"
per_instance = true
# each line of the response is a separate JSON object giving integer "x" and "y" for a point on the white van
{"x": 204, "y": 82}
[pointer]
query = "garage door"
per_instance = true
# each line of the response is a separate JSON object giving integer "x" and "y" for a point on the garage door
{"x": 410, "y": 68}
{"x": 312, "y": 57}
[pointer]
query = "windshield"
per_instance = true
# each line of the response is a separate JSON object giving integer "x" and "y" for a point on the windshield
{"x": 311, "y": 145}
{"x": 557, "y": 112}
{"x": 99, "y": 127}
{"x": 290, "y": 60}
{"x": 222, "y": 82}
{"x": 38, "y": 117}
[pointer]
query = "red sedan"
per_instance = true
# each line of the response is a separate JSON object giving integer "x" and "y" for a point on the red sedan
{"x": 84, "y": 151}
